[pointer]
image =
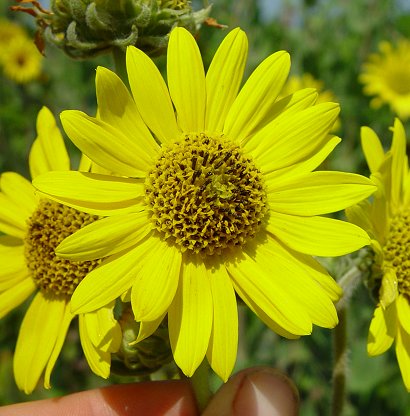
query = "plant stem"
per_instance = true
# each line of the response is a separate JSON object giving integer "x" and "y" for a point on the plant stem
{"x": 200, "y": 385}
{"x": 340, "y": 364}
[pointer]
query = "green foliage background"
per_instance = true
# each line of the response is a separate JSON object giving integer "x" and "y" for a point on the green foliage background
{"x": 329, "y": 39}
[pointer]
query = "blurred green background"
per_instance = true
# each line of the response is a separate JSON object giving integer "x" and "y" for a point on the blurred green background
{"x": 329, "y": 39}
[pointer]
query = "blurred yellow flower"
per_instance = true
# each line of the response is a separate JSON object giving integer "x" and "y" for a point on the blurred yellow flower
{"x": 386, "y": 75}
{"x": 387, "y": 220}
{"x": 9, "y": 31}
{"x": 217, "y": 198}
{"x": 34, "y": 227}
{"x": 21, "y": 60}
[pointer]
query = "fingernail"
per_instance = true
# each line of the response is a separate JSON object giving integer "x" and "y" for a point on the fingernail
{"x": 266, "y": 392}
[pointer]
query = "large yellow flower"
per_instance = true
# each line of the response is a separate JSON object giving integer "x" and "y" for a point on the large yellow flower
{"x": 386, "y": 75}
{"x": 33, "y": 228}
{"x": 387, "y": 220}
{"x": 217, "y": 197}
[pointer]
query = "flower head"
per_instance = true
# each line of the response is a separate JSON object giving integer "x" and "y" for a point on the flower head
{"x": 387, "y": 220}
{"x": 216, "y": 198}
{"x": 8, "y": 31}
{"x": 34, "y": 227}
{"x": 386, "y": 75}
{"x": 21, "y": 60}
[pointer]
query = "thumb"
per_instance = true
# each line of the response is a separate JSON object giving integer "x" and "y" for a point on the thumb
{"x": 256, "y": 391}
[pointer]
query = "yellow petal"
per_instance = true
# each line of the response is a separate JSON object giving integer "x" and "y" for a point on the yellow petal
{"x": 16, "y": 295}
{"x": 289, "y": 140}
{"x": 255, "y": 100}
{"x": 20, "y": 191}
{"x": 268, "y": 320}
{"x": 103, "y": 330}
{"x": 12, "y": 259}
{"x": 186, "y": 80}
{"x": 98, "y": 360}
{"x": 116, "y": 107}
{"x": 382, "y": 330}
{"x": 269, "y": 294}
{"x": 360, "y": 214}
{"x": 147, "y": 328}
{"x": 91, "y": 192}
{"x": 107, "y": 282}
{"x": 310, "y": 163}
{"x": 318, "y": 192}
{"x": 403, "y": 312}
{"x": 224, "y": 77}
{"x": 151, "y": 96}
{"x": 223, "y": 343}
{"x": 286, "y": 106}
{"x": 317, "y": 236}
{"x": 13, "y": 220}
{"x": 65, "y": 324}
{"x": 48, "y": 151}
{"x": 106, "y": 145}
{"x": 105, "y": 237}
{"x": 388, "y": 289}
{"x": 156, "y": 281}
{"x": 292, "y": 276}
{"x": 37, "y": 338}
{"x": 403, "y": 356}
{"x": 317, "y": 272}
{"x": 190, "y": 317}
{"x": 399, "y": 162}
{"x": 372, "y": 148}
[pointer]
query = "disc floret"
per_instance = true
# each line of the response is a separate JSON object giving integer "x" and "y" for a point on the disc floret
{"x": 205, "y": 195}
{"x": 397, "y": 250}
{"x": 50, "y": 224}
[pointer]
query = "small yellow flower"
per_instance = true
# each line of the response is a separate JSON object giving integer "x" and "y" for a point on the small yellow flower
{"x": 9, "y": 31}
{"x": 217, "y": 199}
{"x": 387, "y": 220}
{"x": 34, "y": 227}
{"x": 386, "y": 75}
{"x": 22, "y": 61}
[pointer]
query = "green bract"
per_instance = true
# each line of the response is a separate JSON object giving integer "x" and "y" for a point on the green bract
{"x": 84, "y": 28}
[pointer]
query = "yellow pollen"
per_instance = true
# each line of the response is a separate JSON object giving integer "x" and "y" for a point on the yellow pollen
{"x": 50, "y": 224}
{"x": 205, "y": 194}
{"x": 397, "y": 250}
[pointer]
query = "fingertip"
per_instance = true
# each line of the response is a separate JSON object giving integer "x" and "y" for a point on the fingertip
{"x": 256, "y": 391}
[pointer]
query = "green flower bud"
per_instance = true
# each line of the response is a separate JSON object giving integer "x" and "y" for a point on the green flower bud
{"x": 144, "y": 357}
{"x": 85, "y": 28}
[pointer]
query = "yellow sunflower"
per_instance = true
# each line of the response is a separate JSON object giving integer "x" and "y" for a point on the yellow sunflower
{"x": 387, "y": 76}
{"x": 34, "y": 227}
{"x": 22, "y": 62}
{"x": 217, "y": 198}
{"x": 387, "y": 220}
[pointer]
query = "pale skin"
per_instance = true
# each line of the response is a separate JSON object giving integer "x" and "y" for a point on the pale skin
{"x": 255, "y": 391}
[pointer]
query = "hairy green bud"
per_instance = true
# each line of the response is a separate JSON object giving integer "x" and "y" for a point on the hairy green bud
{"x": 144, "y": 357}
{"x": 85, "y": 28}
